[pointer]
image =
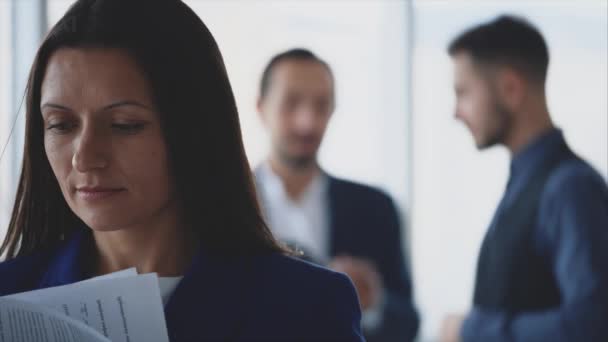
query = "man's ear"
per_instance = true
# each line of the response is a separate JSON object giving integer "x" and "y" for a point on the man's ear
{"x": 512, "y": 87}
{"x": 259, "y": 107}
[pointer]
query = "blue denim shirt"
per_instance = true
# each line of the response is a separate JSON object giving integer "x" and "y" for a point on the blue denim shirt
{"x": 572, "y": 233}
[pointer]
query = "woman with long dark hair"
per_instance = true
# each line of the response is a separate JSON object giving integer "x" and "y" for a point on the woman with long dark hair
{"x": 134, "y": 158}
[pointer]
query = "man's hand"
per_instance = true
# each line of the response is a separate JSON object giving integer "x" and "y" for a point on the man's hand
{"x": 365, "y": 277}
{"x": 451, "y": 328}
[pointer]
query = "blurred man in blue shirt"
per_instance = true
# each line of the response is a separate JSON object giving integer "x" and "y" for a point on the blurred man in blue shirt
{"x": 542, "y": 273}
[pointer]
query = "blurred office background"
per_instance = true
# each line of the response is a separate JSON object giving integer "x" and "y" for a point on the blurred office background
{"x": 393, "y": 127}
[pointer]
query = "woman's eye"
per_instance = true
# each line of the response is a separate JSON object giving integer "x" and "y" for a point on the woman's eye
{"x": 60, "y": 127}
{"x": 128, "y": 127}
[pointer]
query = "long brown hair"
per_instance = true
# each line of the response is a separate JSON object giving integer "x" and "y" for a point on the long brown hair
{"x": 199, "y": 117}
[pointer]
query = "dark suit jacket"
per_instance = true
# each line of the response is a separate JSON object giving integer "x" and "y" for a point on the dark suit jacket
{"x": 264, "y": 298}
{"x": 364, "y": 223}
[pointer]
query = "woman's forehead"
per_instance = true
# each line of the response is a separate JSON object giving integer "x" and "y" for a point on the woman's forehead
{"x": 85, "y": 74}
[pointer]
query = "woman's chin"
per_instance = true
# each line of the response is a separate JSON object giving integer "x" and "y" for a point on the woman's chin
{"x": 102, "y": 228}
{"x": 105, "y": 224}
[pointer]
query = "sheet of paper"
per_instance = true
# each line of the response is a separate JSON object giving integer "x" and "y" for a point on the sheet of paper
{"x": 123, "y": 309}
{"x": 23, "y": 321}
{"x": 128, "y": 272}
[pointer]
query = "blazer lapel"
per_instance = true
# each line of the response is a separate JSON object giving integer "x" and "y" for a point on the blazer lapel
{"x": 69, "y": 264}
{"x": 210, "y": 302}
{"x": 335, "y": 216}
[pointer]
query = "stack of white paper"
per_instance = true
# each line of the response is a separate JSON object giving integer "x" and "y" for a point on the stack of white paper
{"x": 121, "y": 306}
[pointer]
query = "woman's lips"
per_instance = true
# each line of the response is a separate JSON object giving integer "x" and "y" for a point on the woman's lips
{"x": 97, "y": 193}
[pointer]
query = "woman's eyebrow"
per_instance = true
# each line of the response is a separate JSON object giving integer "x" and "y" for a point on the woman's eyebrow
{"x": 126, "y": 103}
{"x": 104, "y": 108}
{"x": 55, "y": 106}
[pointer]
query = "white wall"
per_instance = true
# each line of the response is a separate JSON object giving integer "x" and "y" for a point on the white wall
{"x": 365, "y": 44}
{"x": 5, "y": 114}
{"x": 22, "y": 23}
{"x": 456, "y": 188}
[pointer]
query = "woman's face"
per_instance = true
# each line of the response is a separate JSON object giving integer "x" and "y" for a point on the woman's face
{"x": 103, "y": 138}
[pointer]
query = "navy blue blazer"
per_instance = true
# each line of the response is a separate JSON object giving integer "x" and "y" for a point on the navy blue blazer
{"x": 264, "y": 298}
{"x": 364, "y": 223}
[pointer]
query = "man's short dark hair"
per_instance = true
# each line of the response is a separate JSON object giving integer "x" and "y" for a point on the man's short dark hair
{"x": 507, "y": 40}
{"x": 297, "y": 54}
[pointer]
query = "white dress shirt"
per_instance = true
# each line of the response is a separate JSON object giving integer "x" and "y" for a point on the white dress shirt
{"x": 303, "y": 222}
{"x": 167, "y": 286}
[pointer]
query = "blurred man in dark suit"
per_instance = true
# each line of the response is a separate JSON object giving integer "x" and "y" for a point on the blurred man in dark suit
{"x": 349, "y": 227}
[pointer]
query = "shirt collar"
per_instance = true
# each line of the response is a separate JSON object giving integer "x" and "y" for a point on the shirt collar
{"x": 536, "y": 152}
{"x": 274, "y": 187}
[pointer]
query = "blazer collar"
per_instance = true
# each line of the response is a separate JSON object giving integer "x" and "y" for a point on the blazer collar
{"x": 210, "y": 303}
{"x": 69, "y": 263}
